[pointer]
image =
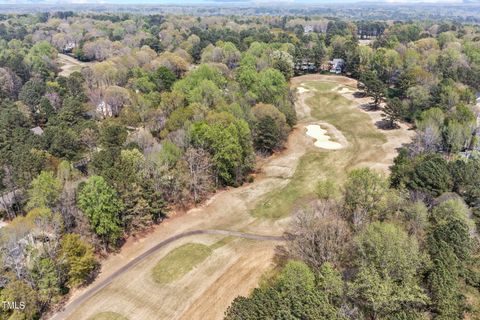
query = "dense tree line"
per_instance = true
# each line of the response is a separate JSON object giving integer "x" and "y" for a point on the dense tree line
{"x": 371, "y": 252}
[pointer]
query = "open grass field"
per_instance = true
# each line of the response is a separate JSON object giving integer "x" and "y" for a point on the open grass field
{"x": 181, "y": 260}
{"x": 198, "y": 277}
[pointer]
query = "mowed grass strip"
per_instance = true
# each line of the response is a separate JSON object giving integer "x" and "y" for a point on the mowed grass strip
{"x": 107, "y": 316}
{"x": 181, "y": 260}
{"x": 321, "y": 86}
{"x": 365, "y": 145}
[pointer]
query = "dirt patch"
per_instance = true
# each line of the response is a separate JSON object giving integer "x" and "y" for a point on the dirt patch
{"x": 344, "y": 90}
{"x": 302, "y": 90}
{"x": 211, "y": 304}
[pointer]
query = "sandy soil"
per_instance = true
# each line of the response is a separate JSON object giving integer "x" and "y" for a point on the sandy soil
{"x": 234, "y": 269}
{"x": 194, "y": 294}
{"x": 211, "y": 302}
{"x": 365, "y": 42}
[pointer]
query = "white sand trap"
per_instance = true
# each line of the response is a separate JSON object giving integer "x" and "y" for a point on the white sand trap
{"x": 323, "y": 140}
{"x": 302, "y": 90}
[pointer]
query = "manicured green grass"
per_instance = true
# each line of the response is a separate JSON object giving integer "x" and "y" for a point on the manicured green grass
{"x": 108, "y": 316}
{"x": 181, "y": 260}
{"x": 316, "y": 165}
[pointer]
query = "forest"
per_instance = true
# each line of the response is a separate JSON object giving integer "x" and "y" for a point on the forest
{"x": 163, "y": 110}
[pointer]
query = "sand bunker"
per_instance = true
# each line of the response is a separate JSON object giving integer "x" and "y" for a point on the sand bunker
{"x": 345, "y": 90}
{"x": 302, "y": 90}
{"x": 323, "y": 140}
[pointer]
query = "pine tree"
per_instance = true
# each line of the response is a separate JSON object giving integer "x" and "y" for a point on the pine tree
{"x": 393, "y": 111}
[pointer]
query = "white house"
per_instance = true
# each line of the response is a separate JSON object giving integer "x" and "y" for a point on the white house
{"x": 37, "y": 131}
{"x": 307, "y": 29}
{"x": 337, "y": 66}
{"x": 104, "y": 109}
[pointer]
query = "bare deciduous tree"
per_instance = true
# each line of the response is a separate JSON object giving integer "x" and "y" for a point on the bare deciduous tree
{"x": 201, "y": 178}
{"x": 10, "y": 83}
{"x": 318, "y": 234}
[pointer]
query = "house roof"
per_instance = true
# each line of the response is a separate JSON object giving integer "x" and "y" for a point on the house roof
{"x": 37, "y": 130}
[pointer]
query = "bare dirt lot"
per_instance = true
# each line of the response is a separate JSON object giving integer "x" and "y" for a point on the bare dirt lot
{"x": 235, "y": 268}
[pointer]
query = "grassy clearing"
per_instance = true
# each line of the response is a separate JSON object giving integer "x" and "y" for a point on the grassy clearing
{"x": 316, "y": 165}
{"x": 321, "y": 86}
{"x": 181, "y": 260}
{"x": 107, "y": 316}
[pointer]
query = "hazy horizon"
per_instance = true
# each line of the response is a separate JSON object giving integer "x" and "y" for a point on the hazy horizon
{"x": 219, "y": 2}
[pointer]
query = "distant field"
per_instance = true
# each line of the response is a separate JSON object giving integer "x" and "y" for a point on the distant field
{"x": 69, "y": 64}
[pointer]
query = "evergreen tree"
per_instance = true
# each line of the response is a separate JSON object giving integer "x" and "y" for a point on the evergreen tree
{"x": 101, "y": 205}
{"x": 393, "y": 112}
